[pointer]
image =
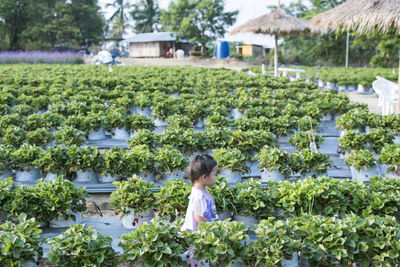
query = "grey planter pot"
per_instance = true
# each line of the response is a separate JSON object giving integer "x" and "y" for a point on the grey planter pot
{"x": 27, "y": 176}
{"x": 63, "y": 223}
{"x": 120, "y": 134}
{"x": 86, "y": 176}
{"x": 364, "y": 174}
{"x": 231, "y": 177}
{"x": 5, "y": 174}
{"x": 294, "y": 262}
{"x": 274, "y": 176}
{"x": 97, "y": 135}
{"x": 128, "y": 221}
{"x": 108, "y": 178}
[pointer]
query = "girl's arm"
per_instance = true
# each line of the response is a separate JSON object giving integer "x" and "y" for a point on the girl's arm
{"x": 200, "y": 218}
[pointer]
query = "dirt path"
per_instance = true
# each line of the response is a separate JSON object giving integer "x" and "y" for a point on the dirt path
{"x": 209, "y": 62}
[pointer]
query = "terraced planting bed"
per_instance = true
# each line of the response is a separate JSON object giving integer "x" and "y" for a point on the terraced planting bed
{"x": 132, "y": 132}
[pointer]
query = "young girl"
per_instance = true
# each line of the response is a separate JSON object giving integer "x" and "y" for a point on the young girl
{"x": 202, "y": 172}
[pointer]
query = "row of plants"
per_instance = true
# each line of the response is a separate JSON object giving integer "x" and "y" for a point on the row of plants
{"x": 320, "y": 196}
{"x": 344, "y": 76}
{"x": 45, "y": 201}
{"x": 323, "y": 241}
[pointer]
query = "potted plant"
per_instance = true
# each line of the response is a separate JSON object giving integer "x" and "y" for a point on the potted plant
{"x": 177, "y": 121}
{"x": 94, "y": 126}
{"x": 139, "y": 160}
{"x": 51, "y": 120}
{"x": 7, "y": 191}
{"x": 52, "y": 162}
{"x": 251, "y": 203}
{"x": 5, "y": 163}
{"x": 135, "y": 199}
{"x": 390, "y": 158}
{"x": 220, "y": 243}
{"x": 170, "y": 162}
{"x": 172, "y": 199}
{"x": 116, "y": 123}
{"x": 67, "y": 136}
{"x": 23, "y": 161}
{"x": 39, "y": 137}
{"x": 138, "y": 122}
{"x": 310, "y": 163}
{"x": 64, "y": 202}
{"x": 352, "y": 140}
{"x": 218, "y": 137}
{"x": 282, "y": 243}
{"x": 113, "y": 164}
{"x": 306, "y": 139}
{"x": 143, "y": 244}
{"x": 81, "y": 246}
{"x": 85, "y": 162}
{"x": 362, "y": 164}
{"x": 275, "y": 164}
{"x": 144, "y": 137}
{"x": 378, "y": 139}
{"x": 62, "y": 206}
{"x": 231, "y": 163}
{"x": 216, "y": 120}
{"x": 143, "y": 102}
{"x": 223, "y": 196}
{"x": 21, "y": 243}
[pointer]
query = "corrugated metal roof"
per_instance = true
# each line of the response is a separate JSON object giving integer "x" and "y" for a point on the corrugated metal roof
{"x": 151, "y": 37}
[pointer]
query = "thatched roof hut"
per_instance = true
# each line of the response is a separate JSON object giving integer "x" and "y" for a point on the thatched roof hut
{"x": 364, "y": 16}
{"x": 276, "y": 23}
{"x": 361, "y": 15}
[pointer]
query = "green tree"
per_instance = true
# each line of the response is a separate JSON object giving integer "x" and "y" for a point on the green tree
{"x": 198, "y": 20}
{"x": 146, "y": 15}
{"x": 15, "y": 15}
{"x": 120, "y": 16}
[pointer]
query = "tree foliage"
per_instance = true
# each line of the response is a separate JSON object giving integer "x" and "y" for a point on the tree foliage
{"x": 146, "y": 16}
{"x": 48, "y": 24}
{"x": 378, "y": 50}
{"x": 198, "y": 20}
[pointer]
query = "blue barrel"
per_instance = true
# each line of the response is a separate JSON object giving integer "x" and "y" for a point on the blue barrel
{"x": 222, "y": 50}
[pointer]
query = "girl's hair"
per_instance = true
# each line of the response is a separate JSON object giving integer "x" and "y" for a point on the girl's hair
{"x": 199, "y": 166}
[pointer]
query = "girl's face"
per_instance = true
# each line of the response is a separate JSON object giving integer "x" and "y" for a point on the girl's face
{"x": 210, "y": 179}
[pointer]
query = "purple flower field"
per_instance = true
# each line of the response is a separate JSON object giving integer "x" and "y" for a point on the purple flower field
{"x": 35, "y": 57}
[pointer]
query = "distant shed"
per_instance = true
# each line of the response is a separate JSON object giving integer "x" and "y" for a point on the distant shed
{"x": 155, "y": 44}
{"x": 251, "y": 50}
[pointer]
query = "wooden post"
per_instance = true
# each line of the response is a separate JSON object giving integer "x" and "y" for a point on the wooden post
{"x": 347, "y": 48}
{"x": 276, "y": 57}
{"x": 398, "y": 88}
{"x": 262, "y": 69}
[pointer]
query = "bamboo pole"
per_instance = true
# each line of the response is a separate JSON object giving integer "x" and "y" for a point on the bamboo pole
{"x": 347, "y": 48}
{"x": 398, "y": 88}
{"x": 276, "y": 57}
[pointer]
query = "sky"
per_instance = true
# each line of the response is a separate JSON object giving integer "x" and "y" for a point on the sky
{"x": 248, "y": 9}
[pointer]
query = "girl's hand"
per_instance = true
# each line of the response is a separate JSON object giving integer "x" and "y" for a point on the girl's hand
{"x": 199, "y": 218}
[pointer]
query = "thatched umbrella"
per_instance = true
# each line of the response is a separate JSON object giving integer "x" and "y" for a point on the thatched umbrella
{"x": 364, "y": 16}
{"x": 277, "y": 23}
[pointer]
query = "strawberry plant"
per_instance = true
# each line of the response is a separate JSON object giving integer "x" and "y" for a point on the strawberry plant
{"x": 20, "y": 242}
{"x": 360, "y": 159}
{"x": 144, "y": 244}
{"x": 82, "y": 246}
{"x": 133, "y": 194}
{"x": 169, "y": 159}
{"x": 220, "y": 243}
{"x": 231, "y": 158}
{"x": 272, "y": 159}
{"x": 172, "y": 199}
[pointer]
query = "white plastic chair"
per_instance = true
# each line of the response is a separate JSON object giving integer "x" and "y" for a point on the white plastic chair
{"x": 387, "y": 93}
